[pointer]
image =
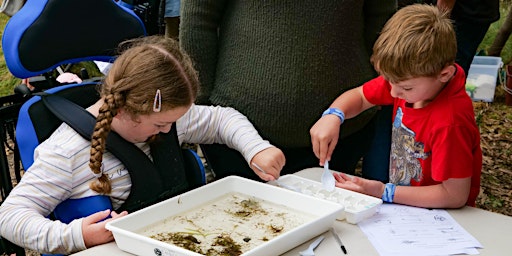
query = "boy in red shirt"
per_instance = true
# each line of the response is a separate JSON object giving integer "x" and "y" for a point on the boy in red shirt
{"x": 436, "y": 158}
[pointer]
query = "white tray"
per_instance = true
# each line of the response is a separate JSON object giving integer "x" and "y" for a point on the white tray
{"x": 357, "y": 206}
{"x": 322, "y": 215}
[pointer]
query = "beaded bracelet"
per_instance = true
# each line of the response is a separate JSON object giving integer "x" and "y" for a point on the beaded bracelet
{"x": 389, "y": 193}
{"x": 335, "y": 111}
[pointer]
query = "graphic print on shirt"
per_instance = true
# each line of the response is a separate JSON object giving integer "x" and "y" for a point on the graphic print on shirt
{"x": 405, "y": 152}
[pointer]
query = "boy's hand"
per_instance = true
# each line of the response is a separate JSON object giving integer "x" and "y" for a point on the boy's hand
{"x": 268, "y": 163}
{"x": 369, "y": 187}
{"x": 93, "y": 228}
{"x": 324, "y": 137}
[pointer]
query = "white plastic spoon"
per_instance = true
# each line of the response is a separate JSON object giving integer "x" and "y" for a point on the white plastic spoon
{"x": 310, "y": 250}
{"x": 327, "y": 178}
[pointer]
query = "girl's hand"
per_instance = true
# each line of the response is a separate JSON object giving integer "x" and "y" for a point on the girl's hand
{"x": 268, "y": 163}
{"x": 324, "y": 137}
{"x": 358, "y": 184}
{"x": 93, "y": 228}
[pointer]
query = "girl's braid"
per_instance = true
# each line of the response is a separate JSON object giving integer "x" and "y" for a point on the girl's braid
{"x": 102, "y": 128}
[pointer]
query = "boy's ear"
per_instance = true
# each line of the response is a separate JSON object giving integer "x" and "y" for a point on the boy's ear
{"x": 447, "y": 73}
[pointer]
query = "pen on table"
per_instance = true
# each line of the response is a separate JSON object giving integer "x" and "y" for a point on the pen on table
{"x": 339, "y": 241}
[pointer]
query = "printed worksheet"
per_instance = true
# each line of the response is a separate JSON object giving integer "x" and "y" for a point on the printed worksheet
{"x": 404, "y": 230}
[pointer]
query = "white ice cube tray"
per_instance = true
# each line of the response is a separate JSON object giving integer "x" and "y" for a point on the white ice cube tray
{"x": 357, "y": 206}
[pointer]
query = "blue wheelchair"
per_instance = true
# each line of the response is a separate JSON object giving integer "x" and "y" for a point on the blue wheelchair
{"x": 42, "y": 38}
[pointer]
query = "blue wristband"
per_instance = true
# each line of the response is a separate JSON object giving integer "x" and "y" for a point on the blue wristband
{"x": 335, "y": 111}
{"x": 389, "y": 193}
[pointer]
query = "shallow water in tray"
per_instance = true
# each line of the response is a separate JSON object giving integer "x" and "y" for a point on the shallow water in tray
{"x": 231, "y": 225}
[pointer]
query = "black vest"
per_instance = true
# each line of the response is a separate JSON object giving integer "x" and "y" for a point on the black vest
{"x": 152, "y": 181}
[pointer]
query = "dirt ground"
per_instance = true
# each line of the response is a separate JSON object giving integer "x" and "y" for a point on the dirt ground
{"x": 495, "y": 122}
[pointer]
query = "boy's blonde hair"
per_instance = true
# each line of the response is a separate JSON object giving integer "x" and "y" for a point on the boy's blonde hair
{"x": 418, "y": 41}
{"x": 145, "y": 65}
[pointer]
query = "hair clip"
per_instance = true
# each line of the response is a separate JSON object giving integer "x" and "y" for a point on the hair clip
{"x": 157, "y": 103}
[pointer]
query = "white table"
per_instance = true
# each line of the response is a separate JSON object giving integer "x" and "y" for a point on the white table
{"x": 492, "y": 230}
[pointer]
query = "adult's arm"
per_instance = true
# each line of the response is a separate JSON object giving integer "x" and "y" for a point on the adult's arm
{"x": 199, "y": 25}
{"x": 445, "y": 4}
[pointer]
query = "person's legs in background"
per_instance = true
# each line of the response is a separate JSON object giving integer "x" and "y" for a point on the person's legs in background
{"x": 172, "y": 18}
{"x": 172, "y": 27}
{"x": 376, "y": 160}
{"x": 469, "y": 36}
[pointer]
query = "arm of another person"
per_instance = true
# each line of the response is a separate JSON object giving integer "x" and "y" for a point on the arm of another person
{"x": 215, "y": 124}
{"x": 199, "y": 24}
{"x": 325, "y": 132}
{"x": 446, "y": 4}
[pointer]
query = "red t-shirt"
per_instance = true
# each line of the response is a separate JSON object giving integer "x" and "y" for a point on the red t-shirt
{"x": 434, "y": 143}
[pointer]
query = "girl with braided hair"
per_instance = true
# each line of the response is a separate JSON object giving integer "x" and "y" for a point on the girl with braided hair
{"x": 149, "y": 90}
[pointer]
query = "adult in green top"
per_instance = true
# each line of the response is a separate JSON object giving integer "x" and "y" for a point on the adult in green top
{"x": 281, "y": 63}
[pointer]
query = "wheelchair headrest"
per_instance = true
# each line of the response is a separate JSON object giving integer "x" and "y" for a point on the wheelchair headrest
{"x": 47, "y": 33}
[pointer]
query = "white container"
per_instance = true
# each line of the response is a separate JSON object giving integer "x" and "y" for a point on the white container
{"x": 482, "y": 78}
{"x": 357, "y": 206}
{"x": 322, "y": 214}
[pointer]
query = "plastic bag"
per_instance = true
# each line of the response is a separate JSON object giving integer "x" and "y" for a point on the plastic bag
{"x": 10, "y": 7}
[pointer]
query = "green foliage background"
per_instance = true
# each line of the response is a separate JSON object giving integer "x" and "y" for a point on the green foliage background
{"x": 7, "y": 81}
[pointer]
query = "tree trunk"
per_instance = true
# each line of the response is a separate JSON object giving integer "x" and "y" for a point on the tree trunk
{"x": 502, "y": 36}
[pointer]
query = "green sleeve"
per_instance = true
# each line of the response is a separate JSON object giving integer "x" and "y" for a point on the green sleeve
{"x": 200, "y": 20}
